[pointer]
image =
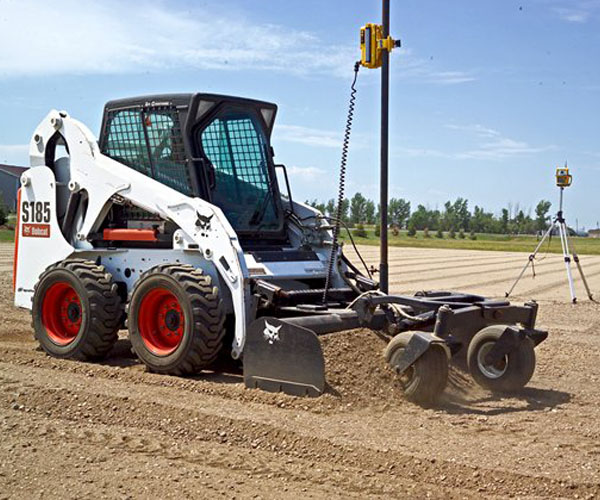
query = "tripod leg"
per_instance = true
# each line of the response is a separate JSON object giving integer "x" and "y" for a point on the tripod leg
{"x": 567, "y": 256}
{"x": 530, "y": 260}
{"x": 585, "y": 283}
{"x": 580, "y": 269}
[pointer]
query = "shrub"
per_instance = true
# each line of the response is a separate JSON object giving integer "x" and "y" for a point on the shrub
{"x": 472, "y": 235}
{"x": 412, "y": 230}
{"x": 452, "y": 233}
{"x": 360, "y": 231}
{"x": 395, "y": 230}
{"x": 439, "y": 234}
{"x": 461, "y": 234}
{"x": 426, "y": 233}
{"x": 377, "y": 230}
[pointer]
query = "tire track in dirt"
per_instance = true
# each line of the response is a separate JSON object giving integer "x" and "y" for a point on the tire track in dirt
{"x": 448, "y": 274}
{"x": 115, "y": 464}
{"x": 176, "y": 417}
{"x": 563, "y": 283}
{"x": 501, "y": 267}
{"x": 415, "y": 268}
{"x": 451, "y": 260}
{"x": 537, "y": 290}
{"x": 243, "y": 401}
{"x": 229, "y": 443}
{"x": 397, "y": 256}
{"x": 208, "y": 435}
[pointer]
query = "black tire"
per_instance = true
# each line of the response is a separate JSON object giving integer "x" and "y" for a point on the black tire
{"x": 189, "y": 335}
{"x": 512, "y": 373}
{"x": 425, "y": 381}
{"x": 76, "y": 310}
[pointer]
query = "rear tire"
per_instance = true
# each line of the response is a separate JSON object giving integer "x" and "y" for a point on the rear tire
{"x": 426, "y": 379}
{"x": 176, "y": 320}
{"x": 508, "y": 375}
{"x": 76, "y": 310}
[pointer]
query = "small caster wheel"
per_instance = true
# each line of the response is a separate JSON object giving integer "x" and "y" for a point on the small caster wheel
{"x": 509, "y": 374}
{"x": 425, "y": 380}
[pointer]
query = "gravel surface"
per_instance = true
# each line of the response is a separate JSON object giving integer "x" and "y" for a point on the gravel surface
{"x": 111, "y": 429}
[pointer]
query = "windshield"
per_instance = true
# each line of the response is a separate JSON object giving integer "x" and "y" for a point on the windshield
{"x": 236, "y": 147}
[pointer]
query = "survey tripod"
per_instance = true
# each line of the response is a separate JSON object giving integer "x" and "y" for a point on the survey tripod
{"x": 567, "y": 247}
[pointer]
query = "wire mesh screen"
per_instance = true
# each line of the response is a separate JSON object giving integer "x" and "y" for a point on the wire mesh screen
{"x": 125, "y": 141}
{"x": 151, "y": 143}
{"x": 167, "y": 153}
{"x": 236, "y": 149}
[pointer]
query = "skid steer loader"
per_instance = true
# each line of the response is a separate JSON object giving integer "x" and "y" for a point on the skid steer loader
{"x": 173, "y": 224}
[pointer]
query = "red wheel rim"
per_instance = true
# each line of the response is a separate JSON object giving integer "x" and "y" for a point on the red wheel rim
{"x": 161, "y": 321}
{"x": 61, "y": 313}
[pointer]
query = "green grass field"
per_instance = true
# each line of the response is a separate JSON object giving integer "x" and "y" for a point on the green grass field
{"x": 497, "y": 242}
{"x": 7, "y": 235}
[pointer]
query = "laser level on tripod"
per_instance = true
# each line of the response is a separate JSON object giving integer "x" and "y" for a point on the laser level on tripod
{"x": 563, "y": 180}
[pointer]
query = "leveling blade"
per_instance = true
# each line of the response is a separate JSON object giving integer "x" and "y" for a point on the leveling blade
{"x": 281, "y": 357}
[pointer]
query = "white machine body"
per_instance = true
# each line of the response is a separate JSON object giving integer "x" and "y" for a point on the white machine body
{"x": 212, "y": 246}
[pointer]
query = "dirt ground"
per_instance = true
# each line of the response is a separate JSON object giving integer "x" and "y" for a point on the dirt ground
{"x": 110, "y": 429}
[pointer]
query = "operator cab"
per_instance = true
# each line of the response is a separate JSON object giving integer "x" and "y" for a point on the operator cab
{"x": 211, "y": 146}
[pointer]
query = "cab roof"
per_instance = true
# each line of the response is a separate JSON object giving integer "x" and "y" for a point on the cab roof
{"x": 192, "y": 106}
{"x": 183, "y": 99}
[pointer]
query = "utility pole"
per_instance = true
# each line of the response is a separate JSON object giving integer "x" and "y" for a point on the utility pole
{"x": 383, "y": 187}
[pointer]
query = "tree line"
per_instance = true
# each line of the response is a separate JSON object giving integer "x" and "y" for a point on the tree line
{"x": 455, "y": 216}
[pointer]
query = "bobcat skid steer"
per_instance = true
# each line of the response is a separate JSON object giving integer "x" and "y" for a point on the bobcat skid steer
{"x": 173, "y": 225}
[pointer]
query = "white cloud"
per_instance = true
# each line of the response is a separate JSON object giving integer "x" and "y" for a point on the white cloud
{"x": 411, "y": 67}
{"x": 14, "y": 154}
{"x": 308, "y": 136}
{"x": 575, "y": 17}
{"x": 495, "y": 146}
{"x": 85, "y": 37}
{"x": 420, "y": 152}
{"x": 305, "y": 173}
{"x": 500, "y": 149}
{"x": 577, "y": 11}
{"x": 476, "y": 129}
{"x": 449, "y": 77}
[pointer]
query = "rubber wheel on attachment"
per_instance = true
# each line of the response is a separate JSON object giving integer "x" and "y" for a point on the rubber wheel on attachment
{"x": 176, "y": 319}
{"x": 426, "y": 379}
{"x": 511, "y": 373}
{"x": 76, "y": 310}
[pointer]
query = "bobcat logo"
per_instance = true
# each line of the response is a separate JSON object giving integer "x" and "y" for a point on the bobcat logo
{"x": 271, "y": 333}
{"x": 203, "y": 222}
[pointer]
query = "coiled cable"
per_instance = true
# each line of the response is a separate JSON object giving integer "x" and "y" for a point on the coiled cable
{"x": 342, "y": 182}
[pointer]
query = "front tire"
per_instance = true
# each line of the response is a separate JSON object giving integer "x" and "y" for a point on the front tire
{"x": 509, "y": 374}
{"x": 424, "y": 381}
{"x": 76, "y": 310}
{"x": 176, "y": 320}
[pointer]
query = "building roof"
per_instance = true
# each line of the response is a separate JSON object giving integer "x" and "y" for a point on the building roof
{"x": 12, "y": 170}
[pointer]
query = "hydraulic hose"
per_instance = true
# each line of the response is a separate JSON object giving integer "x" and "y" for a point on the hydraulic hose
{"x": 342, "y": 183}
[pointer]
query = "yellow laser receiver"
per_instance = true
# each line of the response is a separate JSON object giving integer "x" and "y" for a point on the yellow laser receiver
{"x": 372, "y": 45}
{"x": 563, "y": 178}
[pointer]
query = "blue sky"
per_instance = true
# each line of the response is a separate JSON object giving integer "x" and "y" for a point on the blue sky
{"x": 487, "y": 96}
